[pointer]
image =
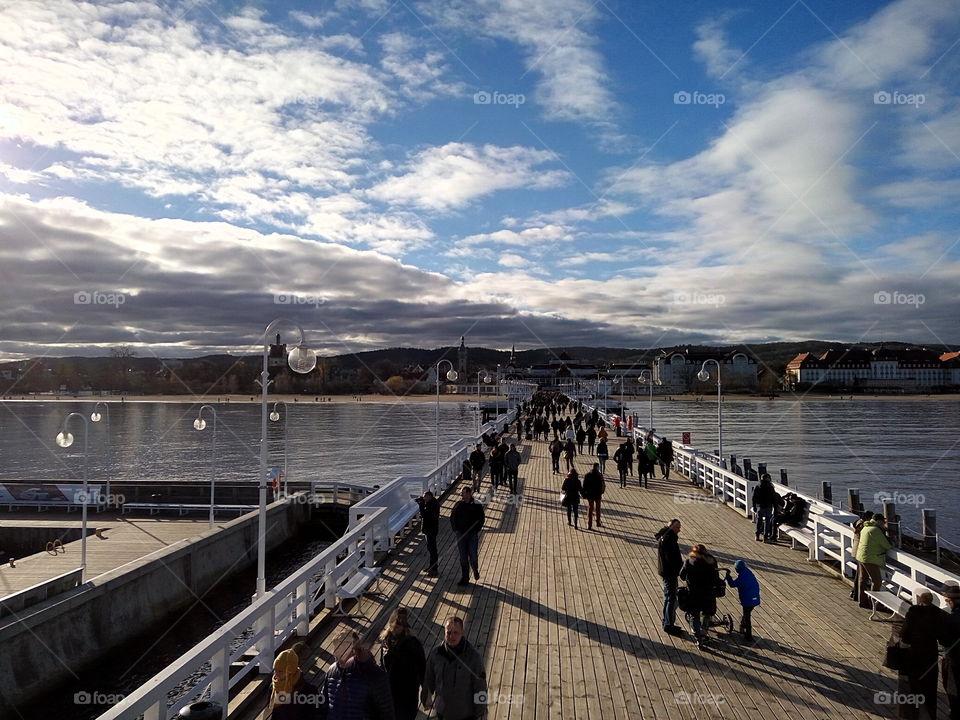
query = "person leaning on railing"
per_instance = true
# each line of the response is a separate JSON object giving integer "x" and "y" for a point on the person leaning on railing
{"x": 872, "y": 557}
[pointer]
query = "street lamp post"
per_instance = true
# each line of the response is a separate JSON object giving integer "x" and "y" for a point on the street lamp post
{"x": 201, "y": 424}
{"x": 274, "y": 417}
{"x": 301, "y": 360}
{"x": 703, "y": 376}
{"x": 451, "y": 376}
{"x": 65, "y": 440}
{"x": 96, "y": 416}
{"x": 499, "y": 383}
{"x": 648, "y": 376}
{"x": 486, "y": 379}
{"x": 621, "y": 381}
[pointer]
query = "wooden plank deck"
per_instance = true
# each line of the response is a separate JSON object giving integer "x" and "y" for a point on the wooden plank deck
{"x": 126, "y": 538}
{"x": 568, "y": 620}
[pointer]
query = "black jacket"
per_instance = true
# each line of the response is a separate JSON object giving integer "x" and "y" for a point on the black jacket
{"x": 593, "y": 485}
{"x": 477, "y": 460}
{"x": 702, "y": 578}
{"x": 764, "y": 495}
{"x": 430, "y": 512}
{"x": 467, "y": 517}
{"x": 669, "y": 560}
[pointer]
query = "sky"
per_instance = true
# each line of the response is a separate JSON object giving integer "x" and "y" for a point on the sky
{"x": 175, "y": 175}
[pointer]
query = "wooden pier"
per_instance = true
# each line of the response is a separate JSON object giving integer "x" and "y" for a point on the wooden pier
{"x": 568, "y": 621}
{"x": 124, "y": 539}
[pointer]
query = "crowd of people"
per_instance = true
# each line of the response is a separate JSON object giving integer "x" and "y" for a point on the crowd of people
{"x": 451, "y": 677}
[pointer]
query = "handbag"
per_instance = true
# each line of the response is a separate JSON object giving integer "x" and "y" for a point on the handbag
{"x": 895, "y": 656}
{"x": 563, "y": 499}
{"x": 683, "y": 598}
{"x": 720, "y": 589}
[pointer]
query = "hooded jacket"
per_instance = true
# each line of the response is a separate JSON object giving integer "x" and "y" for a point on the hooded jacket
{"x": 874, "y": 545}
{"x": 746, "y": 583}
{"x": 358, "y": 691}
{"x": 457, "y": 677}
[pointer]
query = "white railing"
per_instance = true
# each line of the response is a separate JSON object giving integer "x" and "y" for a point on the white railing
{"x": 254, "y": 635}
{"x": 832, "y": 539}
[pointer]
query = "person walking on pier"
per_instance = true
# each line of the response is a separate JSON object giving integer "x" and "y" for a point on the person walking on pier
{"x": 665, "y": 456}
{"x": 292, "y": 698}
{"x": 403, "y": 658}
{"x": 702, "y": 576}
{"x": 669, "y": 562}
{"x": 496, "y": 465}
{"x": 511, "y": 463}
{"x": 477, "y": 461}
{"x": 593, "y": 487}
{"x": 556, "y": 450}
{"x": 455, "y": 681}
{"x": 581, "y": 437}
{"x": 621, "y": 459}
{"x": 629, "y": 449}
{"x": 602, "y": 454}
{"x": 872, "y": 557}
{"x": 748, "y": 591}
{"x": 430, "y": 514}
{"x": 572, "y": 490}
{"x": 764, "y": 500}
{"x": 918, "y": 666}
{"x": 467, "y": 519}
{"x": 950, "y": 639}
{"x": 569, "y": 453}
{"x": 645, "y": 469}
{"x": 356, "y": 687}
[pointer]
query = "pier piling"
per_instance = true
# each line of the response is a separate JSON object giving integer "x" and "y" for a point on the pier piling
{"x": 827, "y": 491}
{"x": 783, "y": 477}
{"x": 893, "y": 526}
{"x": 929, "y": 526}
{"x": 853, "y": 500}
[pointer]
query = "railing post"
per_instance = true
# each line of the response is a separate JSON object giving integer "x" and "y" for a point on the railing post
{"x": 303, "y": 608}
{"x": 329, "y": 585}
{"x": 815, "y": 552}
{"x": 220, "y": 686}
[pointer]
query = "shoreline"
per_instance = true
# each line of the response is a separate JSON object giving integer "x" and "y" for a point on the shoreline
{"x": 450, "y": 398}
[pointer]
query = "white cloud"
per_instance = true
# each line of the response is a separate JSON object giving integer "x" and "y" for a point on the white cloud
{"x": 528, "y": 237}
{"x": 512, "y": 260}
{"x": 453, "y": 175}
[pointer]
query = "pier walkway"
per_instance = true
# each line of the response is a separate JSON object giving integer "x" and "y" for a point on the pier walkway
{"x": 568, "y": 621}
{"x": 125, "y": 538}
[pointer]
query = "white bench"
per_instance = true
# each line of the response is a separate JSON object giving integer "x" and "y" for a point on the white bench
{"x": 354, "y": 589}
{"x": 184, "y": 508}
{"x": 903, "y": 591}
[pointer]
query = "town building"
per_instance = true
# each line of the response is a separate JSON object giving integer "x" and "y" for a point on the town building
{"x": 877, "y": 370}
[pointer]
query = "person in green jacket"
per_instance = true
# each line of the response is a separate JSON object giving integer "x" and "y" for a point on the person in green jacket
{"x": 872, "y": 556}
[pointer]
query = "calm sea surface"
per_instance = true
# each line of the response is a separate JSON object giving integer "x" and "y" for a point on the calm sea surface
{"x": 907, "y": 448}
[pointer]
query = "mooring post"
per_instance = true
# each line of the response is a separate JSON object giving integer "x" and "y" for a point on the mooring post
{"x": 853, "y": 500}
{"x": 827, "y": 491}
{"x": 783, "y": 477}
{"x": 893, "y": 525}
{"x": 929, "y": 523}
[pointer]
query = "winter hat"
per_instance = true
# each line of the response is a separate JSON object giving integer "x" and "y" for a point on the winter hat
{"x": 288, "y": 665}
{"x": 740, "y": 566}
{"x": 952, "y": 591}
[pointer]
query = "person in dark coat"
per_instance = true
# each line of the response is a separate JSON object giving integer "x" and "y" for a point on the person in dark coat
{"x": 665, "y": 457}
{"x": 591, "y": 437}
{"x": 455, "y": 682}
{"x": 622, "y": 460}
{"x": 950, "y": 639}
{"x": 602, "y": 454}
{"x": 571, "y": 496}
{"x": 477, "y": 461}
{"x": 569, "y": 453}
{"x": 430, "y": 512}
{"x": 556, "y": 449}
{"x": 764, "y": 501}
{"x": 467, "y": 518}
{"x": 629, "y": 449}
{"x": 644, "y": 469}
{"x": 403, "y": 658}
{"x": 918, "y": 670}
{"x": 593, "y": 487}
{"x": 496, "y": 465}
{"x": 356, "y": 688}
{"x": 702, "y": 577}
{"x": 581, "y": 437}
{"x": 511, "y": 465}
{"x": 669, "y": 562}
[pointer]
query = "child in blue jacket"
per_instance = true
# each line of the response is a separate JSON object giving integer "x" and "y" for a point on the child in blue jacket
{"x": 748, "y": 588}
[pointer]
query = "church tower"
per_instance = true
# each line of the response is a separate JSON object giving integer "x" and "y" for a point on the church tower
{"x": 462, "y": 360}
